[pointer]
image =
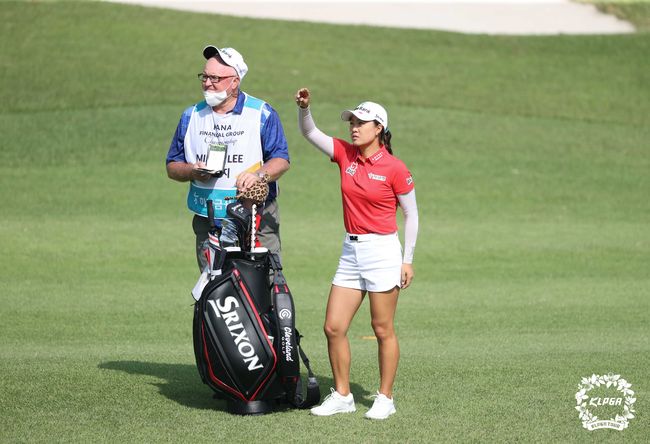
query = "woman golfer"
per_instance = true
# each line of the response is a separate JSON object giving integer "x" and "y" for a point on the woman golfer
{"x": 373, "y": 183}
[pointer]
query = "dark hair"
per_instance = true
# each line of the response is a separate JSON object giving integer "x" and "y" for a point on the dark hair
{"x": 385, "y": 137}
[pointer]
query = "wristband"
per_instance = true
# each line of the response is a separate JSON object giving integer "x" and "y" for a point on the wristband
{"x": 263, "y": 175}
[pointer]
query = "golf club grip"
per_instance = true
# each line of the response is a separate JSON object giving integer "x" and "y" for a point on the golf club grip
{"x": 210, "y": 213}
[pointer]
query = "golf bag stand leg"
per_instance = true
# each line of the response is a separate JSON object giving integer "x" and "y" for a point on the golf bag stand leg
{"x": 249, "y": 407}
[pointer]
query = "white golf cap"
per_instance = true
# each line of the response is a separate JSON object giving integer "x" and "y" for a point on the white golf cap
{"x": 368, "y": 111}
{"x": 230, "y": 57}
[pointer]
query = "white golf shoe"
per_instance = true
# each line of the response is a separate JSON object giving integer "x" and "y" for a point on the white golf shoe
{"x": 335, "y": 403}
{"x": 382, "y": 408}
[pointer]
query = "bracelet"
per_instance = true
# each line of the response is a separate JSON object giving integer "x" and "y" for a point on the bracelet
{"x": 264, "y": 176}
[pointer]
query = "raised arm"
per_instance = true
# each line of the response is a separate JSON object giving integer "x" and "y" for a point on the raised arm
{"x": 307, "y": 126}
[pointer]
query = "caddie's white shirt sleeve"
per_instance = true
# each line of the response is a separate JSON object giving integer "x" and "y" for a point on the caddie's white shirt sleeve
{"x": 315, "y": 136}
{"x": 410, "y": 209}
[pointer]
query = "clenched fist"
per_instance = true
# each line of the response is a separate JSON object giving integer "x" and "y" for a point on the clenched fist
{"x": 303, "y": 98}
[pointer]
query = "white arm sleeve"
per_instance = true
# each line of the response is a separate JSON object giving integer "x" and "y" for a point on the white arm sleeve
{"x": 315, "y": 136}
{"x": 410, "y": 209}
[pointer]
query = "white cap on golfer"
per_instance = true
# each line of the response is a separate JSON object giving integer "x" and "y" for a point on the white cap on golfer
{"x": 230, "y": 57}
{"x": 368, "y": 111}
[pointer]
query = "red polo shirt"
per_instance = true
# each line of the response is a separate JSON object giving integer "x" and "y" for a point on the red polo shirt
{"x": 369, "y": 188}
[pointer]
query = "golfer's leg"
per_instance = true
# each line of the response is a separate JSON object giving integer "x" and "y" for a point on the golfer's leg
{"x": 342, "y": 304}
{"x": 382, "y": 312}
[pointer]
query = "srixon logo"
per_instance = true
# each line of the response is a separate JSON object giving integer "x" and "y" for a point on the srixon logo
{"x": 226, "y": 310}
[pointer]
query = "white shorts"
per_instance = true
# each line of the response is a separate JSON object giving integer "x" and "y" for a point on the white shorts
{"x": 370, "y": 262}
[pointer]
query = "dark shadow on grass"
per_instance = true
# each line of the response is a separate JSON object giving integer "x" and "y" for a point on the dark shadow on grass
{"x": 182, "y": 382}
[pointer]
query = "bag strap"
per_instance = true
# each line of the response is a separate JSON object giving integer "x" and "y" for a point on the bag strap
{"x": 313, "y": 390}
{"x": 274, "y": 260}
{"x": 288, "y": 368}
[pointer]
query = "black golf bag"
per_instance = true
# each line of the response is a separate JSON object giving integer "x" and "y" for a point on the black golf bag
{"x": 246, "y": 345}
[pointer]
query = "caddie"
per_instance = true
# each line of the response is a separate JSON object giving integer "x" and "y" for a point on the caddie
{"x": 245, "y": 131}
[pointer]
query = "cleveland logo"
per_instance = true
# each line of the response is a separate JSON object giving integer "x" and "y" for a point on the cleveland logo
{"x": 287, "y": 347}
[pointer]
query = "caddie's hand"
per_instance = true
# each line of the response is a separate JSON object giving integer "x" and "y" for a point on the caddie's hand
{"x": 195, "y": 174}
{"x": 407, "y": 275}
{"x": 246, "y": 180}
{"x": 303, "y": 97}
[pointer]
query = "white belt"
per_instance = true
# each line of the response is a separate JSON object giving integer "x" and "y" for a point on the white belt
{"x": 365, "y": 237}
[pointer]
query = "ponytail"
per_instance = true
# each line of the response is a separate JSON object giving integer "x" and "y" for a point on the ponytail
{"x": 384, "y": 137}
{"x": 385, "y": 140}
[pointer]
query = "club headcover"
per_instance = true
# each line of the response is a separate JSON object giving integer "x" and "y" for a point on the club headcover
{"x": 241, "y": 216}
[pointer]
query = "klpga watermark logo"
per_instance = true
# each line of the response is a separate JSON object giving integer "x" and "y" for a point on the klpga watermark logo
{"x": 605, "y": 396}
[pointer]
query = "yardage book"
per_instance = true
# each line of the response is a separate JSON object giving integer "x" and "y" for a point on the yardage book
{"x": 216, "y": 159}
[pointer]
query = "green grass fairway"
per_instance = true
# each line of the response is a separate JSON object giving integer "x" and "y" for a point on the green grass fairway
{"x": 531, "y": 157}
